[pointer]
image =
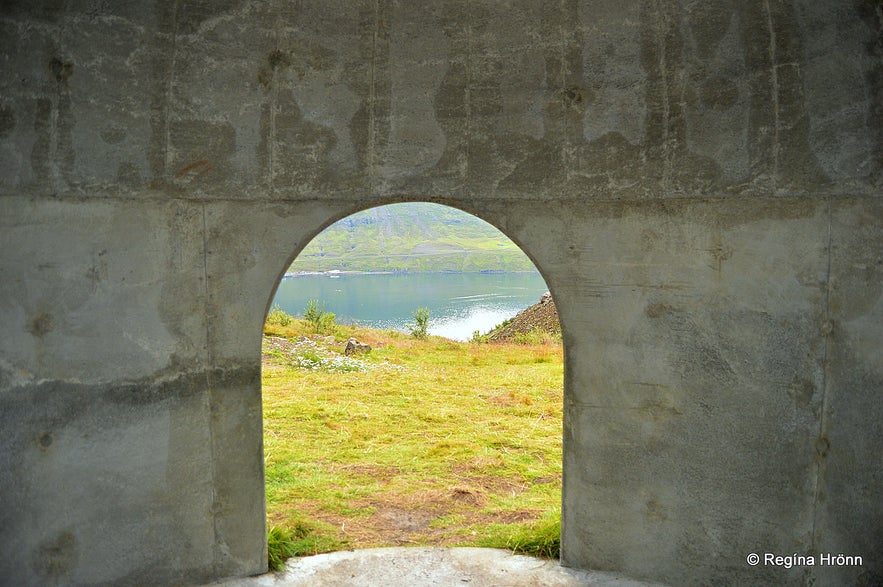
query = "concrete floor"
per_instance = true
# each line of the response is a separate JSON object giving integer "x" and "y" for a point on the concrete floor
{"x": 418, "y": 567}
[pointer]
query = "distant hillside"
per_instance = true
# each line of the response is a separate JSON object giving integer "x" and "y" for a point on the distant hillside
{"x": 417, "y": 237}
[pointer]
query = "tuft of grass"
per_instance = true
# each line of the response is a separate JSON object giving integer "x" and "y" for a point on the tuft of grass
{"x": 300, "y": 539}
{"x": 280, "y": 546}
{"x": 540, "y": 538}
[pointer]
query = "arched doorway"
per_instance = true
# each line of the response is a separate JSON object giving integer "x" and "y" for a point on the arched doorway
{"x": 423, "y": 440}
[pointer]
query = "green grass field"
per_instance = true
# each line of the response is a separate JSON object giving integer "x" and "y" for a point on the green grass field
{"x": 418, "y": 442}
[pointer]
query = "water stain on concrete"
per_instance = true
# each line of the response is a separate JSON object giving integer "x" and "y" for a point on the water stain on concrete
{"x": 41, "y": 324}
{"x": 55, "y": 558}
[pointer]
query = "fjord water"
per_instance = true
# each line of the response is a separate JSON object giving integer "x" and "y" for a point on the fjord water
{"x": 459, "y": 303}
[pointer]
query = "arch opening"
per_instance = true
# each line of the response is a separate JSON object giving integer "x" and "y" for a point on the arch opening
{"x": 421, "y": 440}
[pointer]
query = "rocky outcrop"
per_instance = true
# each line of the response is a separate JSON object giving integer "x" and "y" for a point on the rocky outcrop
{"x": 540, "y": 316}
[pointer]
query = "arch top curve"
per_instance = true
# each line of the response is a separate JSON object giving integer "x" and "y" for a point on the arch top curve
{"x": 472, "y": 213}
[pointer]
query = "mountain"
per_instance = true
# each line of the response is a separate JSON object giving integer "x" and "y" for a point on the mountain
{"x": 412, "y": 237}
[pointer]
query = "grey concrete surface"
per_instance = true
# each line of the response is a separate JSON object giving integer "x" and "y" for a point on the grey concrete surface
{"x": 424, "y": 567}
{"x": 699, "y": 183}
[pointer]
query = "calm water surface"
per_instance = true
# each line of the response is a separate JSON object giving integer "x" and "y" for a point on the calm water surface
{"x": 459, "y": 303}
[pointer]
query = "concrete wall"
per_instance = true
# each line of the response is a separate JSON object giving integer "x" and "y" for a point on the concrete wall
{"x": 699, "y": 182}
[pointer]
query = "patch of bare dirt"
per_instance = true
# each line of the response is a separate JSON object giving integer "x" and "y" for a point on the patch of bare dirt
{"x": 508, "y": 399}
{"x": 494, "y": 485}
{"x": 417, "y": 518}
{"x": 368, "y": 470}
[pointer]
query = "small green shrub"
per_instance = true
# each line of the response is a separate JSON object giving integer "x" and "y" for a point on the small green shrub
{"x": 278, "y": 317}
{"x": 478, "y": 337}
{"x": 421, "y": 327}
{"x": 326, "y": 323}
{"x": 322, "y": 321}
{"x": 313, "y": 313}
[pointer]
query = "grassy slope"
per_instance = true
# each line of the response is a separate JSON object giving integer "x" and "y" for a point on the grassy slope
{"x": 411, "y": 237}
{"x": 437, "y": 442}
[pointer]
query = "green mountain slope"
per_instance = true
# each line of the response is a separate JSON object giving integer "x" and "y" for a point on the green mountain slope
{"x": 414, "y": 237}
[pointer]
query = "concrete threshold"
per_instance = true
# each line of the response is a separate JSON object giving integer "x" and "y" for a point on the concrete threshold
{"x": 419, "y": 566}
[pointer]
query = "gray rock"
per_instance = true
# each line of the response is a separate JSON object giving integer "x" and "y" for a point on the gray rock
{"x": 354, "y": 347}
